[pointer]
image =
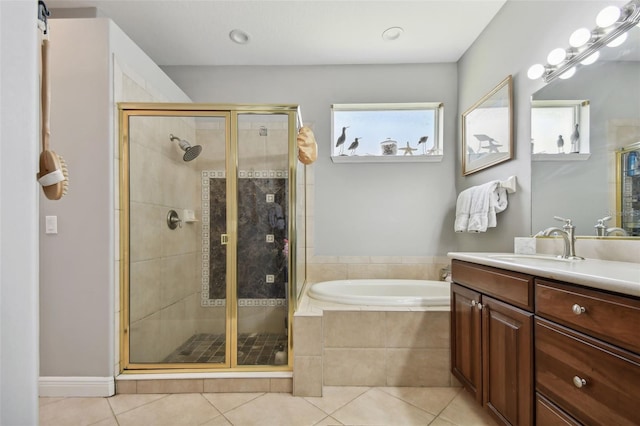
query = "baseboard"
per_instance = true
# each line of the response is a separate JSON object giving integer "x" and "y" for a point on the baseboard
{"x": 76, "y": 386}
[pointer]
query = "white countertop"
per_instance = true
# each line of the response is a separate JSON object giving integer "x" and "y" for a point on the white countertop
{"x": 619, "y": 277}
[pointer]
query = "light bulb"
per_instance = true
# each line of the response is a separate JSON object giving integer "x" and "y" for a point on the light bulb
{"x": 590, "y": 59}
{"x": 618, "y": 40}
{"x": 580, "y": 37}
{"x": 608, "y": 16}
{"x": 556, "y": 56}
{"x": 568, "y": 73}
{"x": 535, "y": 71}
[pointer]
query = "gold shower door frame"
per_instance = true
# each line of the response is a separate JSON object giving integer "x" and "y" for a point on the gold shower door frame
{"x": 230, "y": 112}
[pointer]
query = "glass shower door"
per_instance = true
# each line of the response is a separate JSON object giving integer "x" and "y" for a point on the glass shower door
{"x": 177, "y": 311}
{"x": 262, "y": 238}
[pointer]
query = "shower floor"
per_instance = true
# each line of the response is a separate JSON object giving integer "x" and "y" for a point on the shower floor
{"x": 253, "y": 349}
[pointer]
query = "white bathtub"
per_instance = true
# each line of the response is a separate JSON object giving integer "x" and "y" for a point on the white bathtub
{"x": 382, "y": 292}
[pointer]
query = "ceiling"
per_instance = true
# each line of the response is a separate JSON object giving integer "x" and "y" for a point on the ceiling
{"x": 295, "y": 32}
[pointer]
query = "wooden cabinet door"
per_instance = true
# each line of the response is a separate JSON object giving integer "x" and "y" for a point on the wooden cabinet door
{"x": 507, "y": 353}
{"x": 466, "y": 362}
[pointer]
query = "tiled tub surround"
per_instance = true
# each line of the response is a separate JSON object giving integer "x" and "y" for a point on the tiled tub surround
{"x": 341, "y": 345}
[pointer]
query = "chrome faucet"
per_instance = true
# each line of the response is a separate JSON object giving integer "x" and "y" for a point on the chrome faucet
{"x": 568, "y": 235}
{"x": 602, "y": 230}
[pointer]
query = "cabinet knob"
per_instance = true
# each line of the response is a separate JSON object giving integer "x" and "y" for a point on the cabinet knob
{"x": 579, "y": 382}
{"x": 577, "y": 309}
{"x": 479, "y": 305}
{"x": 474, "y": 303}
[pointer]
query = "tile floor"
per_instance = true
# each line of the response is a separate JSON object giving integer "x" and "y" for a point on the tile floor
{"x": 253, "y": 348}
{"x": 400, "y": 406}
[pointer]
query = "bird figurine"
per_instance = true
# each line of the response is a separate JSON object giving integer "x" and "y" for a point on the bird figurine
{"x": 341, "y": 139}
{"x": 575, "y": 140}
{"x": 423, "y": 141}
{"x": 354, "y": 146}
{"x": 408, "y": 150}
{"x": 560, "y": 143}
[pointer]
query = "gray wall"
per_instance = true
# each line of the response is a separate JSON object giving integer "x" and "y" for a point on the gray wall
{"x": 79, "y": 265}
{"x": 390, "y": 209}
{"x": 521, "y": 34}
{"x": 19, "y": 150}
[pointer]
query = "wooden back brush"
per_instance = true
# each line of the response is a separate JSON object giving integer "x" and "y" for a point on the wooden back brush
{"x": 53, "y": 174}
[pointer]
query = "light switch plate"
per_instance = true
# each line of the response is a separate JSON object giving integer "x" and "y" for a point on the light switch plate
{"x": 51, "y": 225}
{"x": 271, "y": 278}
{"x": 270, "y": 238}
{"x": 271, "y": 198}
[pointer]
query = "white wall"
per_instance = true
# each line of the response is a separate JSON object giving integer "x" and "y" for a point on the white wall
{"x": 521, "y": 34}
{"x": 19, "y": 150}
{"x": 360, "y": 209}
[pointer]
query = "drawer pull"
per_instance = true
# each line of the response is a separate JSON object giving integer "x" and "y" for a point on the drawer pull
{"x": 577, "y": 309}
{"x": 579, "y": 382}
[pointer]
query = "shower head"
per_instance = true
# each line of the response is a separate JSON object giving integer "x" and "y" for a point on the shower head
{"x": 190, "y": 152}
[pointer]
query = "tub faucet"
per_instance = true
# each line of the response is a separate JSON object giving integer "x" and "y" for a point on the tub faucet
{"x": 567, "y": 232}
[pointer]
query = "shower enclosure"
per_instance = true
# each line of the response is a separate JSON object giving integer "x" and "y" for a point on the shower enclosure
{"x": 212, "y": 200}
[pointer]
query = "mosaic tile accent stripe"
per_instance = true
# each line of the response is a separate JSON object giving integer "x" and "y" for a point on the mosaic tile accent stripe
{"x": 261, "y": 239}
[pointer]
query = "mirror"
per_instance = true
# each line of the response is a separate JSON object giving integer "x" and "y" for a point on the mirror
{"x": 583, "y": 186}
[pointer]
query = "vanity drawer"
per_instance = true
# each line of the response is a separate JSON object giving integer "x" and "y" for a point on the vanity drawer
{"x": 612, "y": 318}
{"x": 547, "y": 414}
{"x": 610, "y": 394}
{"x": 511, "y": 287}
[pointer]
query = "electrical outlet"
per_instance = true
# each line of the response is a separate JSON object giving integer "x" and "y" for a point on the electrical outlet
{"x": 271, "y": 279}
{"x": 271, "y": 198}
{"x": 270, "y": 238}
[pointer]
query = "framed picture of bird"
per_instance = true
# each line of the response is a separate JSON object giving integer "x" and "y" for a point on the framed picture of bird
{"x": 386, "y": 131}
{"x": 487, "y": 129}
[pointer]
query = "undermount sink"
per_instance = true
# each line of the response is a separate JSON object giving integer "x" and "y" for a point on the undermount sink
{"x": 530, "y": 259}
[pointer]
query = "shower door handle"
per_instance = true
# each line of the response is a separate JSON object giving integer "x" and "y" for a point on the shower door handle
{"x": 224, "y": 239}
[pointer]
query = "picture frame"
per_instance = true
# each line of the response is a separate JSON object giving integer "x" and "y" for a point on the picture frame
{"x": 487, "y": 129}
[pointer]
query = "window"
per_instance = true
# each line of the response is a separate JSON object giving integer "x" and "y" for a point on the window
{"x": 386, "y": 132}
{"x": 559, "y": 127}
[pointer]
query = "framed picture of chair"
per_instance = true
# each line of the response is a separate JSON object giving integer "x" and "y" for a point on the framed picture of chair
{"x": 487, "y": 129}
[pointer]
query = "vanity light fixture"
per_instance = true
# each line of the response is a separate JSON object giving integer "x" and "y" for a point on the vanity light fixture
{"x": 612, "y": 24}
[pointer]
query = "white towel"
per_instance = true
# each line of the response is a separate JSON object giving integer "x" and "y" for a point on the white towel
{"x": 463, "y": 209}
{"x": 477, "y": 207}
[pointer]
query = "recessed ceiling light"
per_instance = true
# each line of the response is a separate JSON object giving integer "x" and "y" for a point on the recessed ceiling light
{"x": 393, "y": 33}
{"x": 239, "y": 36}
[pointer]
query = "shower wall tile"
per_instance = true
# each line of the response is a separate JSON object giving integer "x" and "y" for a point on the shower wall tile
{"x": 146, "y": 228}
{"x": 146, "y": 337}
{"x": 417, "y": 367}
{"x": 177, "y": 277}
{"x": 145, "y": 288}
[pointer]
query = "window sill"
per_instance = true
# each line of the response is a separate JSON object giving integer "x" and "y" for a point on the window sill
{"x": 560, "y": 157}
{"x": 386, "y": 158}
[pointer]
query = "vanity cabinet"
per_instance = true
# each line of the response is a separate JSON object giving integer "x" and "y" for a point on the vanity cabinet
{"x": 587, "y": 346}
{"x": 492, "y": 339}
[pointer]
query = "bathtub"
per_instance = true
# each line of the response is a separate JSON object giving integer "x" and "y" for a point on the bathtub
{"x": 379, "y": 292}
